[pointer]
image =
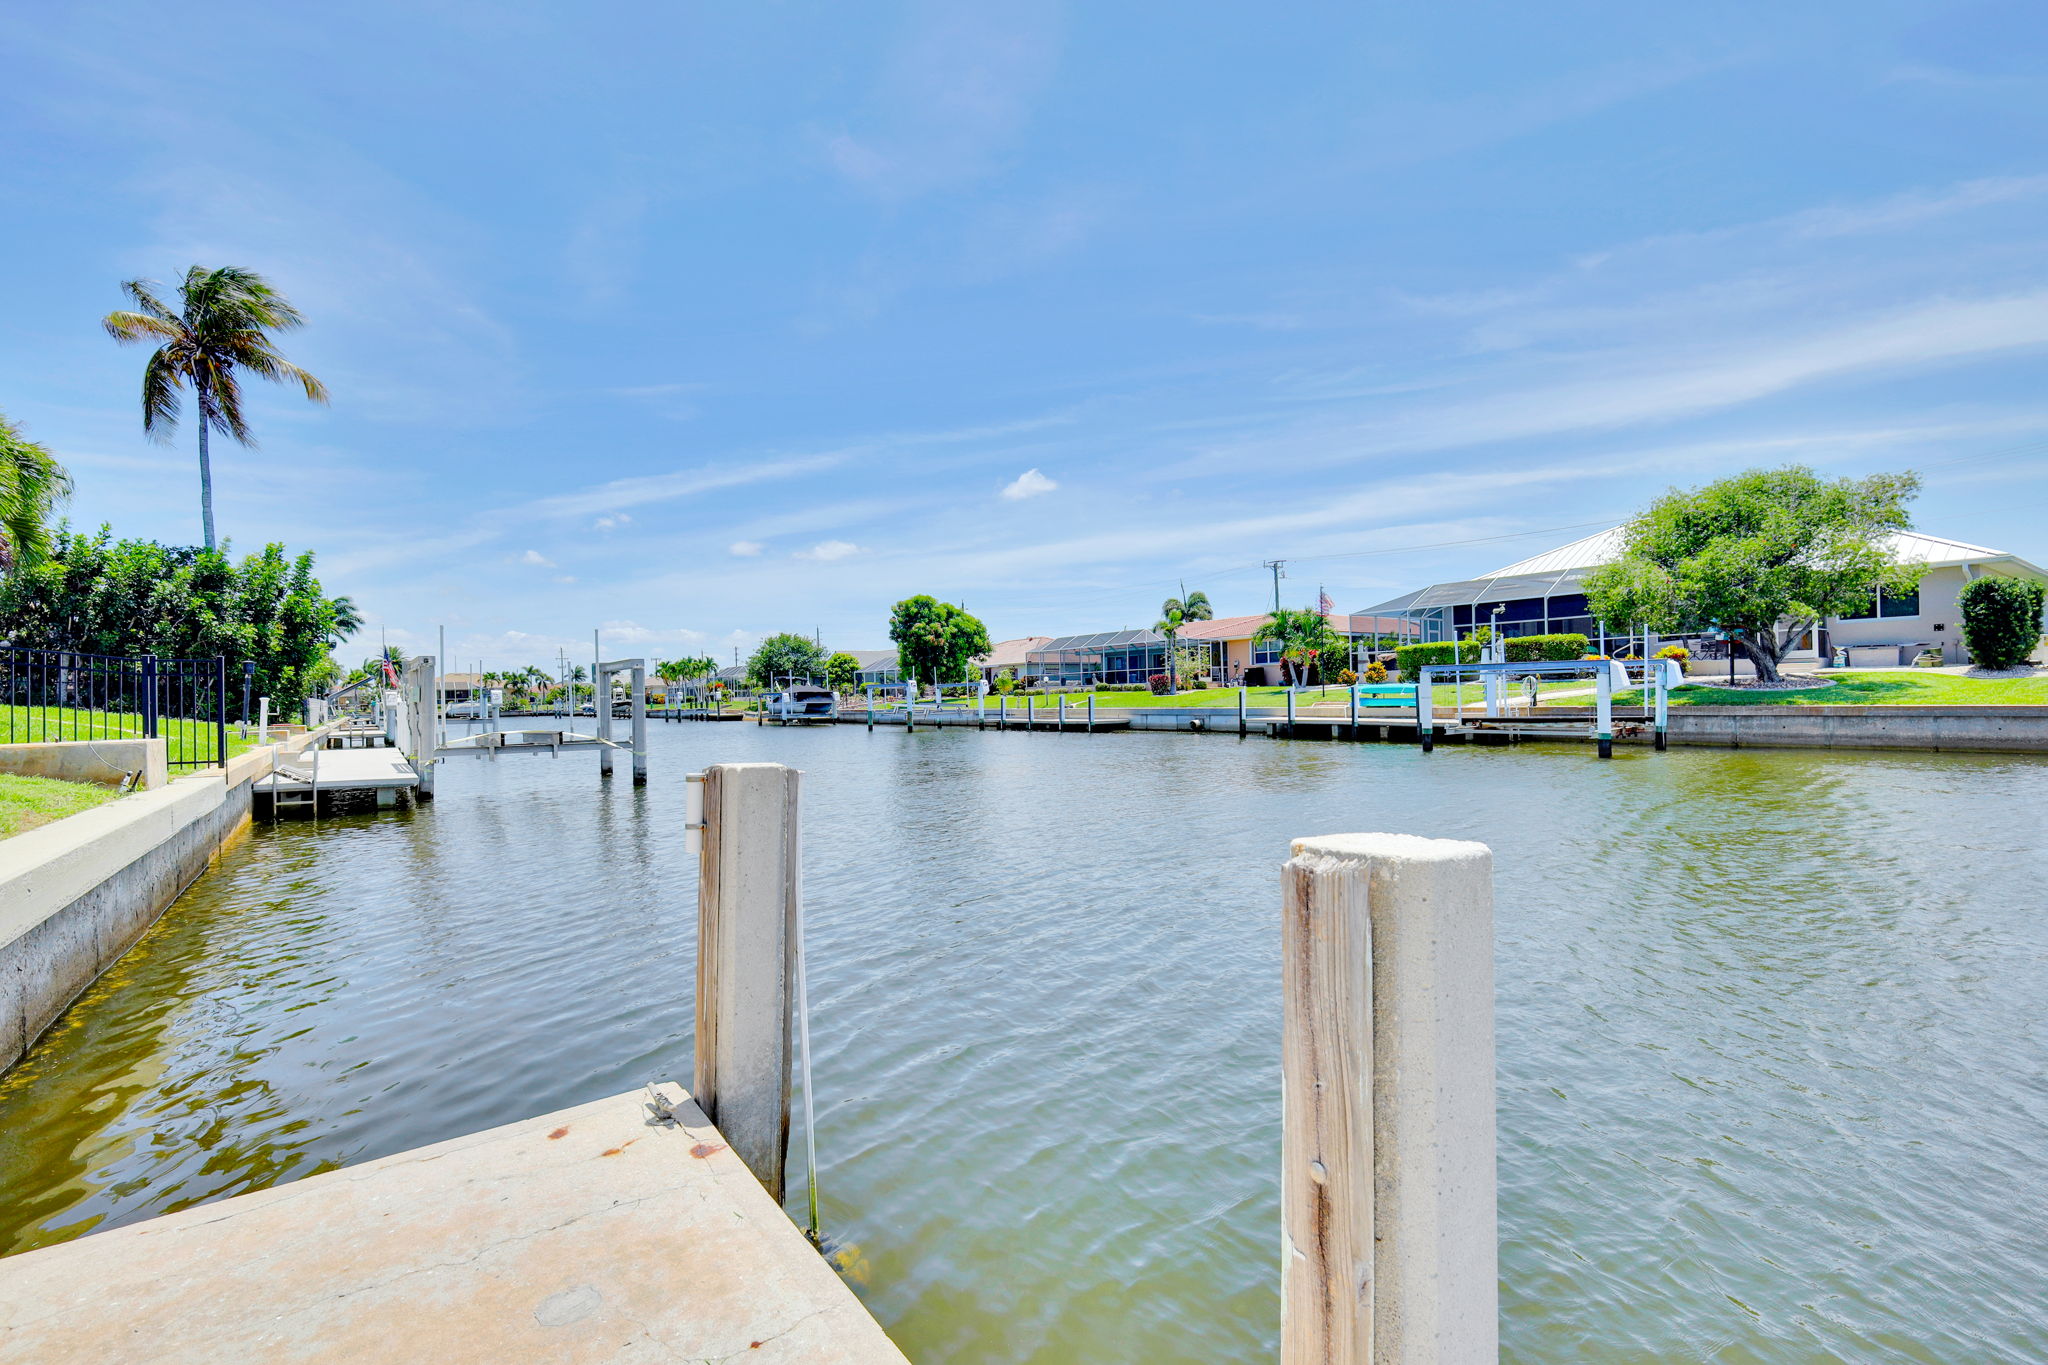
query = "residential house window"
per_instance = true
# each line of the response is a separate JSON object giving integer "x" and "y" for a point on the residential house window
{"x": 1866, "y": 612}
{"x": 1905, "y": 603}
{"x": 1265, "y": 652}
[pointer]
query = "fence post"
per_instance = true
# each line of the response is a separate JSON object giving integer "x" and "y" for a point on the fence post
{"x": 747, "y": 888}
{"x": 220, "y": 711}
{"x": 1240, "y": 713}
{"x": 263, "y": 725}
{"x": 149, "y": 699}
{"x": 1387, "y": 1138}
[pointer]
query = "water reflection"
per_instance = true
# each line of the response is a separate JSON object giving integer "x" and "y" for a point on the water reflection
{"x": 1770, "y": 1027}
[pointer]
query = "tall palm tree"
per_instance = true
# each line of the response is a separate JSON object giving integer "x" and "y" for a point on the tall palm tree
{"x": 32, "y": 483}
{"x": 1174, "y": 613}
{"x": 222, "y": 327}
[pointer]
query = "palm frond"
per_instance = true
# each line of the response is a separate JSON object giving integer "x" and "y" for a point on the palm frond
{"x": 32, "y": 484}
{"x": 162, "y": 377}
{"x": 143, "y": 292}
{"x": 126, "y": 327}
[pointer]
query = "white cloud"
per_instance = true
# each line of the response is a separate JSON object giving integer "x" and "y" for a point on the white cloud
{"x": 829, "y": 550}
{"x": 746, "y": 549}
{"x": 1029, "y": 484}
{"x": 537, "y": 559}
{"x": 612, "y": 522}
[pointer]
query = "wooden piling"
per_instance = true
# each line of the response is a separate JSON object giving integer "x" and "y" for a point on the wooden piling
{"x": 746, "y": 959}
{"x": 1387, "y": 1062}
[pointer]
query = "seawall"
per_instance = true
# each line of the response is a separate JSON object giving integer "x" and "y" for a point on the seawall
{"x": 77, "y": 894}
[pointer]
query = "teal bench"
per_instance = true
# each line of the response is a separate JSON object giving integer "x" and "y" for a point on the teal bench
{"x": 1385, "y": 694}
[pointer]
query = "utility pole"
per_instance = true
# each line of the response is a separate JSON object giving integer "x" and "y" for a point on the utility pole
{"x": 1276, "y": 565}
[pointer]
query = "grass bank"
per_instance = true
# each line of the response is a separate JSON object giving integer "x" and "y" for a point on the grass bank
{"x": 1904, "y": 688}
{"x": 187, "y": 740}
{"x": 26, "y": 802}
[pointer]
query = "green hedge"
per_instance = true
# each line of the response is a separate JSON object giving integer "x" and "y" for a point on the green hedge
{"x": 1547, "y": 649}
{"x": 1411, "y": 659}
{"x": 1522, "y": 649}
{"x": 2001, "y": 620}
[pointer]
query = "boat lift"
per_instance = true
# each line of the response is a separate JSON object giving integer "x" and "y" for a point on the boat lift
{"x": 492, "y": 743}
{"x": 1499, "y": 714}
{"x": 799, "y": 701}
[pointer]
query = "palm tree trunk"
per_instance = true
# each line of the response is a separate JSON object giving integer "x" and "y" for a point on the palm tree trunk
{"x": 205, "y": 480}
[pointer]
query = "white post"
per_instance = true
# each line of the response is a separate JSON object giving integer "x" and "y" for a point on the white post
{"x": 1603, "y": 727}
{"x": 440, "y": 657}
{"x": 263, "y": 721}
{"x": 746, "y": 953}
{"x": 1425, "y": 709}
{"x": 1387, "y": 1140}
{"x": 639, "y": 717}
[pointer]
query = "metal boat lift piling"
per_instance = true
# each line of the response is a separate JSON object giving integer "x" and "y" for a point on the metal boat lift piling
{"x": 1655, "y": 678}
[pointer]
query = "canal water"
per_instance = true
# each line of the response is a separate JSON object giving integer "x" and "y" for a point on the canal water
{"x": 1771, "y": 1028}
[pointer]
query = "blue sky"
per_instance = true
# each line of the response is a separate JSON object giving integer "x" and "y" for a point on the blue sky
{"x": 703, "y": 322}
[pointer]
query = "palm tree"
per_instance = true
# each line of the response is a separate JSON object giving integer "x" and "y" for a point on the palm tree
{"x": 32, "y": 483}
{"x": 222, "y": 327}
{"x": 1302, "y": 635}
{"x": 1174, "y": 613}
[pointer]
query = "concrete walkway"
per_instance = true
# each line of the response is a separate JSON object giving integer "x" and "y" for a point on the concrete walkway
{"x": 600, "y": 1233}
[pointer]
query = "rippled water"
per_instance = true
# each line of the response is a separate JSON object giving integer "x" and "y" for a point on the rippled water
{"x": 1771, "y": 1028}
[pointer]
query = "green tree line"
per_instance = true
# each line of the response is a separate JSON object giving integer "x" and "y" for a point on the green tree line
{"x": 99, "y": 595}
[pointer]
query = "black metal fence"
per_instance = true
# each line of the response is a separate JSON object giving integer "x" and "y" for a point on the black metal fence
{"x": 61, "y": 694}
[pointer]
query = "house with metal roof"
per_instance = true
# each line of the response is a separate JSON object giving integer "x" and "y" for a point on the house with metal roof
{"x": 1544, "y": 595}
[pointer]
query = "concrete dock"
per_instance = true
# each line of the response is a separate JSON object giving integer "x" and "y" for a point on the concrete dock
{"x": 599, "y": 1233}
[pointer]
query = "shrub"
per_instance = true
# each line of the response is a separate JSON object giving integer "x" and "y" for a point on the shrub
{"x": 2001, "y": 620}
{"x": 1412, "y": 659}
{"x": 1347, "y": 677}
{"x": 1375, "y": 672}
{"x": 1678, "y": 652}
{"x": 1545, "y": 649}
{"x": 1158, "y": 683}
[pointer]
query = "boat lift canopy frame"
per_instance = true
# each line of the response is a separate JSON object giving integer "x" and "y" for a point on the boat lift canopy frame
{"x": 1656, "y": 676}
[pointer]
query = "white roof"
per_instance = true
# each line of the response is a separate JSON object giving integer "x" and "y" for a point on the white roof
{"x": 1561, "y": 570}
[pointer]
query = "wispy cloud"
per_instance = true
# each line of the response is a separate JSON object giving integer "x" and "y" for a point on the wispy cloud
{"x": 537, "y": 559}
{"x": 828, "y": 550}
{"x": 745, "y": 549}
{"x": 958, "y": 88}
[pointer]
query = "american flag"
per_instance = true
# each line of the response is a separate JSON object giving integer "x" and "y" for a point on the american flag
{"x": 1324, "y": 606}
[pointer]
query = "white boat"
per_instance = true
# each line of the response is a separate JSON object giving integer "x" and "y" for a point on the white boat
{"x": 802, "y": 701}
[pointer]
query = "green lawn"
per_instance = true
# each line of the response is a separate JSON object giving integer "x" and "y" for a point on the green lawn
{"x": 26, "y": 802}
{"x": 188, "y": 739}
{"x": 1904, "y": 688}
{"x": 1226, "y": 697}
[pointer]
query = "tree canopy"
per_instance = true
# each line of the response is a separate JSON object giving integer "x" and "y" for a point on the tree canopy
{"x": 32, "y": 484}
{"x": 842, "y": 671}
{"x": 785, "y": 656}
{"x": 102, "y": 596}
{"x": 936, "y": 642}
{"x": 1763, "y": 555}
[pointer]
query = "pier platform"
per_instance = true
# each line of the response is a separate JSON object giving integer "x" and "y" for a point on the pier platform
{"x": 599, "y": 1233}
